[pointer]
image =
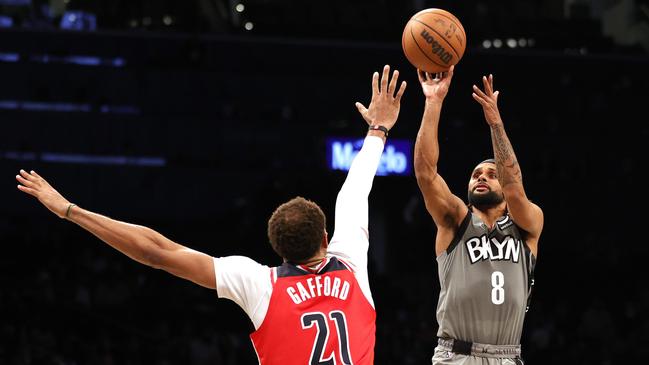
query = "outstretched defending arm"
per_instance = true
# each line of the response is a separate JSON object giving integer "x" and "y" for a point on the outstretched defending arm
{"x": 446, "y": 209}
{"x": 351, "y": 216}
{"x": 526, "y": 214}
{"x": 140, "y": 243}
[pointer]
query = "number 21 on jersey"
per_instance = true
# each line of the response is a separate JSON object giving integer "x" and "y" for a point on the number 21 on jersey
{"x": 319, "y": 320}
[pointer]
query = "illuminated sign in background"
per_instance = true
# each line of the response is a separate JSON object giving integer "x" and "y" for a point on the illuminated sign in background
{"x": 396, "y": 158}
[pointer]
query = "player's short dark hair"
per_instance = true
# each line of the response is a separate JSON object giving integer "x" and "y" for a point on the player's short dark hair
{"x": 296, "y": 229}
{"x": 489, "y": 160}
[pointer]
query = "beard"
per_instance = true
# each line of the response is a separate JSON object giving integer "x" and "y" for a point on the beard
{"x": 487, "y": 200}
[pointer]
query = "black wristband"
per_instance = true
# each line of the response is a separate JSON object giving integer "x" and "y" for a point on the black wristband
{"x": 379, "y": 128}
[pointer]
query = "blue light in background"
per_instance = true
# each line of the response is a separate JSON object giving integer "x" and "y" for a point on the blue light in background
{"x": 9, "y": 57}
{"x": 6, "y": 21}
{"x": 85, "y": 159}
{"x": 395, "y": 160}
{"x": 16, "y": 2}
{"x": 41, "y": 106}
{"x": 78, "y": 20}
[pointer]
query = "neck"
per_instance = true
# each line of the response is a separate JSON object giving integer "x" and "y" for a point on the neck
{"x": 490, "y": 214}
{"x": 315, "y": 260}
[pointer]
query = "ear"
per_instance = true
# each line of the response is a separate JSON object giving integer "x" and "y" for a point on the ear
{"x": 325, "y": 240}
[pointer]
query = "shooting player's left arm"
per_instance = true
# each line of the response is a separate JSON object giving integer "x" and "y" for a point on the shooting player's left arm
{"x": 526, "y": 214}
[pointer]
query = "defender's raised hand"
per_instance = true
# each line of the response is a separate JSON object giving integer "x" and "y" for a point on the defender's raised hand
{"x": 435, "y": 86}
{"x": 488, "y": 99}
{"x": 384, "y": 106}
{"x": 33, "y": 184}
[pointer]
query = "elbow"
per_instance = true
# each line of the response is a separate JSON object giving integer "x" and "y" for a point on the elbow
{"x": 424, "y": 164}
{"x": 424, "y": 171}
{"x": 514, "y": 194}
{"x": 152, "y": 255}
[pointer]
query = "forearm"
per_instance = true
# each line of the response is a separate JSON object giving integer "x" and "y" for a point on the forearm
{"x": 509, "y": 171}
{"x": 427, "y": 144}
{"x": 351, "y": 203}
{"x": 140, "y": 243}
{"x": 363, "y": 168}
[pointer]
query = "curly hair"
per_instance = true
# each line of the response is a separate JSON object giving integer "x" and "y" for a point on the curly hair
{"x": 296, "y": 229}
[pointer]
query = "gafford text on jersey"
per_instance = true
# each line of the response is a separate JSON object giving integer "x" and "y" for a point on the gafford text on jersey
{"x": 316, "y": 316}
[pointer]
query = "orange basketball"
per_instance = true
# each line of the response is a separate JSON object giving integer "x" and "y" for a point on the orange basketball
{"x": 433, "y": 40}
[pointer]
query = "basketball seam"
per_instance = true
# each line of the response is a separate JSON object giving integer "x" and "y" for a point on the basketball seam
{"x": 454, "y": 20}
{"x": 422, "y": 51}
{"x": 457, "y": 54}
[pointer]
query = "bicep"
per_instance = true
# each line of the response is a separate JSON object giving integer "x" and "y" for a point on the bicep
{"x": 188, "y": 264}
{"x": 446, "y": 209}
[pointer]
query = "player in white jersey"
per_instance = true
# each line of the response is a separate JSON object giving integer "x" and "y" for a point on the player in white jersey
{"x": 486, "y": 249}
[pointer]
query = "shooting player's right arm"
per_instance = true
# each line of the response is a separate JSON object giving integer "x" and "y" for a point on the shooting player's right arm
{"x": 446, "y": 209}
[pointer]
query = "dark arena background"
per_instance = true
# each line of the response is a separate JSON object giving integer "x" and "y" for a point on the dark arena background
{"x": 197, "y": 118}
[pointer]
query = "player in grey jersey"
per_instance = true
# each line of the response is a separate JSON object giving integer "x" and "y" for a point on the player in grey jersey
{"x": 486, "y": 249}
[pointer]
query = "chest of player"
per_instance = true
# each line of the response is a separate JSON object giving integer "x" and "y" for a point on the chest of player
{"x": 503, "y": 242}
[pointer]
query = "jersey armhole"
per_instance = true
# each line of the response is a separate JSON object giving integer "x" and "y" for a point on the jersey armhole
{"x": 348, "y": 266}
{"x": 460, "y": 231}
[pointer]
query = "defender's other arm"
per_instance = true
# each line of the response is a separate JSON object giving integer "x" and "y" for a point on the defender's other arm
{"x": 140, "y": 243}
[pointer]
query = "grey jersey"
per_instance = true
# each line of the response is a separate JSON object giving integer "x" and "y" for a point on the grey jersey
{"x": 486, "y": 277}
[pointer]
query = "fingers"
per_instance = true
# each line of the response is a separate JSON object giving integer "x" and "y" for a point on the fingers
{"x": 384, "y": 79}
{"x": 375, "y": 83}
{"x": 400, "y": 92}
{"x": 24, "y": 181}
{"x": 26, "y": 175}
{"x": 480, "y": 93}
{"x": 448, "y": 74}
{"x": 421, "y": 75}
{"x": 487, "y": 86}
{"x": 393, "y": 82}
{"x": 479, "y": 99}
{"x": 27, "y": 182}
{"x": 27, "y": 190}
{"x": 363, "y": 110}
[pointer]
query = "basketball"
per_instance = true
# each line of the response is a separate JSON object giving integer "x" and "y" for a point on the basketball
{"x": 433, "y": 40}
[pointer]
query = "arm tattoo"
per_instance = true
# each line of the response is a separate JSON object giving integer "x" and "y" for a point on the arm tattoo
{"x": 509, "y": 171}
